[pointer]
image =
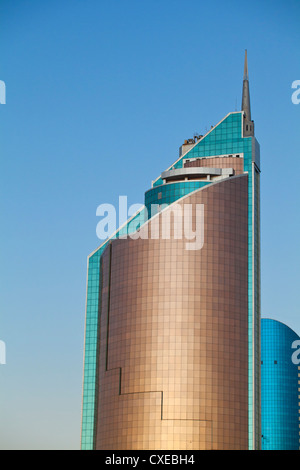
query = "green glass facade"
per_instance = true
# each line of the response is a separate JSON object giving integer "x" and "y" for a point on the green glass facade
{"x": 280, "y": 388}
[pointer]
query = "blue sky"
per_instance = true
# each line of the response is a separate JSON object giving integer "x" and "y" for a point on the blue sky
{"x": 99, "y": 97}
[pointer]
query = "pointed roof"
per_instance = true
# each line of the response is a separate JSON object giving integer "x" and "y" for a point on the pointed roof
{"x": 246, "y": 91}
{"x": 246, "y": 76}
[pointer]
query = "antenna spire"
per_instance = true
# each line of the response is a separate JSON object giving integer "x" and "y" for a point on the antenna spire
{"x": 246, "y": 76}
{"x": 246, "y": 92}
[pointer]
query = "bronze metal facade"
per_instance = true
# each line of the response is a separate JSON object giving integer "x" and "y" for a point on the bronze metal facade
{"x": 172, "y": 363}
{"x": 219, "y": 162}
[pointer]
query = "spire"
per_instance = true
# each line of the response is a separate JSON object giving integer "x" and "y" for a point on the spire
{"x": 246, "y": 92}
{"x": 246, "y": 77}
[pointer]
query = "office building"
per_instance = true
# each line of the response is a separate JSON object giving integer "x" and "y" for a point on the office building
{"x": 172, "y": 340}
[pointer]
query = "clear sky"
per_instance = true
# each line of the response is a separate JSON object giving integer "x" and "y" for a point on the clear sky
{"x": 100, "y": 94}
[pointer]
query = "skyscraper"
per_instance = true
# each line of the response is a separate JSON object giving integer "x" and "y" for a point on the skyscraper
{"x": 280, "y": 386}
{"x": 172, "y": 340}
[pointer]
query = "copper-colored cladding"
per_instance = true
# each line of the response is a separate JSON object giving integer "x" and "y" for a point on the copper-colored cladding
{"x": 237, "y": 163}
{"x": 173, "y": 355}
